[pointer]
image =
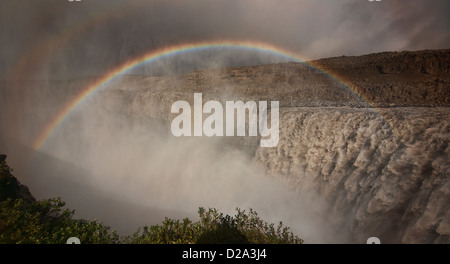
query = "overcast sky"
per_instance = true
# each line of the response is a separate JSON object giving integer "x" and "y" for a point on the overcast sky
{"x": 89, "y": 37}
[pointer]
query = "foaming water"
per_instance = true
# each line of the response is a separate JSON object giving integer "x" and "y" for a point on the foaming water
{"x": 143, "y": 164}
{"x": 378, "y": 181}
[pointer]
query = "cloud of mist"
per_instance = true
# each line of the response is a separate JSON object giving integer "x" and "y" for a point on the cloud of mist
{"x": 115, "y": 159}
{"x": 142, "y": 164}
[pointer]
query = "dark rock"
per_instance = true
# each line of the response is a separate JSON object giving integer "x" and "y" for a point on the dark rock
{"x": 10, "y": 187}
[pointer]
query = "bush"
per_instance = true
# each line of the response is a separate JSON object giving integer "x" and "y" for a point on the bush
{"x": 25, "y": 220}
{"x": 46, "y": 222}
{"x": 215, "y": 228}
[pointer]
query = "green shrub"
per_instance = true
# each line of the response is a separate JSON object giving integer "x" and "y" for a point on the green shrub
{"x": 23, "y": 220}
{"x": 215, "y": 228}
{"x": 46, "y": 222}
{"x": 27, "y": 221}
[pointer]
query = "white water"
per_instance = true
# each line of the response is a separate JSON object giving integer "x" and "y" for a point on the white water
{"x": 385, "y": 173}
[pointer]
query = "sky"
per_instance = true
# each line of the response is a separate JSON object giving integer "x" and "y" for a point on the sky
{"x": 60, "y": 39}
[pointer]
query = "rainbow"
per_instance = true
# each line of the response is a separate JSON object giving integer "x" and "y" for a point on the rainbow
{"x": 156, "y": 55}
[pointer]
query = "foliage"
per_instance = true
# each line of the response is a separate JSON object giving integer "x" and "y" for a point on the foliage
{"x": 216, "y": 228}
{"x": 23, "y": 220}
{"x": 46, "y": 222}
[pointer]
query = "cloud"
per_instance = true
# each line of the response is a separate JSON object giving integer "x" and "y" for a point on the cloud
{"x": 88, "y": 38}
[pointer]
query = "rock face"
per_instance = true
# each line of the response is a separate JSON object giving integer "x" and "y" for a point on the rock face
{"x": 396, "y": 78}
{"x": 381, "y": 80}
{"x": 10, "y": 187}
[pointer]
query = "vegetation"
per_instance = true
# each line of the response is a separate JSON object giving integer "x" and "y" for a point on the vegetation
{"x": 25, "y": 220}
{"x": 216, "y": 228}
{"x": 46, "y": 222}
